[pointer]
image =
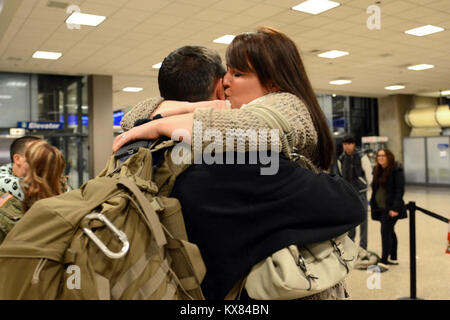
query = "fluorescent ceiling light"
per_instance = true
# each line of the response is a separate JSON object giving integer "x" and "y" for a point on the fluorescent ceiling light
{"x": 85, "y": 19}
{"x": 316, "y": 6}
{"x": 5, "y": 97}
{"x": 157, "y": 66}
{"x": 424, "y": 31}
{"x": 47, "y": 55}
{"x": 445, "y": 93}
{"x": 226, "y": 39}
{"x": 340, "y": 82}
{"x": 333, "y": 54}
{"x": 395, "y": 87}
{"x": 132, "y": 89}
{"x": 421, "y": 67}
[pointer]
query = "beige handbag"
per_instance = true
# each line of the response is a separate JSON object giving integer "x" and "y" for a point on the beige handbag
{"x": 295, "y": 272}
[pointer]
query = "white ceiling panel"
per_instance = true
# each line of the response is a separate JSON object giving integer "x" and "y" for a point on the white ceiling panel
{"x": 139, "y": 33}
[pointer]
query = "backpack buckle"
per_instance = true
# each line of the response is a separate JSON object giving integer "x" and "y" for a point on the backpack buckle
{"x": 118, "y": 233}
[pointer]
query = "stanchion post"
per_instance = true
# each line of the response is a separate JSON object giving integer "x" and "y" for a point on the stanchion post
{"x": 412, "y": 249}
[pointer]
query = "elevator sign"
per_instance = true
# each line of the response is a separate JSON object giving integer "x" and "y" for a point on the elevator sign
{"x": 40, "y": 125}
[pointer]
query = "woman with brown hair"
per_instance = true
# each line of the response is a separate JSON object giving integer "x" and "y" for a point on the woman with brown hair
{"x": 44, "y": 177}
{"x": 42, "y": 180}
{"x": 264, "y": 68}
{"x": 387, "y": 205}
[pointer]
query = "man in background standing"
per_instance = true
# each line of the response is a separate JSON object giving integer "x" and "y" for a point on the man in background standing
{"x": 355, "y": 167}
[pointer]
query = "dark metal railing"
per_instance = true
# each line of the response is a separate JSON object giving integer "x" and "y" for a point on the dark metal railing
{"x": 412, "y": 208}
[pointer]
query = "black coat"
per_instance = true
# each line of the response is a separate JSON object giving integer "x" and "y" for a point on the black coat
{"x": 395, "y": 189}
{"x": 238, "y": 217}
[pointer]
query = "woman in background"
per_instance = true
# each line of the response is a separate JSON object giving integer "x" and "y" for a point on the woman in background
{"x": 43, "y": 180}
{"x": 388, "y": 187}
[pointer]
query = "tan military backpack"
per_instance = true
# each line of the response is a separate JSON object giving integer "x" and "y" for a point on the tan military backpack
{"x": 114, "y": 238}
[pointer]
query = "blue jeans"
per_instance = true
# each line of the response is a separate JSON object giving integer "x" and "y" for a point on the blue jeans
{"x": 362, "y": 226}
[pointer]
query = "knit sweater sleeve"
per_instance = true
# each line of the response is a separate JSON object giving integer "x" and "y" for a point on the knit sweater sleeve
{"x": 240, "y": 124}
{"x": 142, "y": 110}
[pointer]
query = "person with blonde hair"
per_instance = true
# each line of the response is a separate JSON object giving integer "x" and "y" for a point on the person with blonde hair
{"x": 42, "y": 180}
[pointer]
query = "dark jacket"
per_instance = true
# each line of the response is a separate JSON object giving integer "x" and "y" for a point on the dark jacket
{"x": 238, "y": 217}
{"x": 395, "y": 189}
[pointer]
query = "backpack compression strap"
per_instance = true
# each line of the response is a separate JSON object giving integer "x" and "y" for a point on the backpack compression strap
{"x": 151, "y": 218}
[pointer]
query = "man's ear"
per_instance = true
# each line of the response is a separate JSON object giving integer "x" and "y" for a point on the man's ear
{"x": 219, "y": 92}
{"x": 16, "y": 158}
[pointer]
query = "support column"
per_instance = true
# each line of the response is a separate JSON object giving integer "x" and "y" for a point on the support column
{"x": 100, "y": 94}
{"x": 391, "y": 121}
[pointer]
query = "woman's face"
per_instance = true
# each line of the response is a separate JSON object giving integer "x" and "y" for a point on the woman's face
{"x": 382, "y": 159}
{"x": 241, "y": 88}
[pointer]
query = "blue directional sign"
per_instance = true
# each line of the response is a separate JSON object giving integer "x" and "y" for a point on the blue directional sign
{"x": 40, "y": 125}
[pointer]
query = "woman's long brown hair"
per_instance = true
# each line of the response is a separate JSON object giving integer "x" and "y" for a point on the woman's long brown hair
{"x": 275, "y": 59}
{"x": 43, "y": 178}
{"x": 381, "y": 174}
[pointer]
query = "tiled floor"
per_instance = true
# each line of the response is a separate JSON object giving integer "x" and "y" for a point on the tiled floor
{"x": 433, "y": 264}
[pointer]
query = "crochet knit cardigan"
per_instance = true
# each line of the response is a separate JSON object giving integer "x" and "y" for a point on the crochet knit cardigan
{"x": 237, "y": 121}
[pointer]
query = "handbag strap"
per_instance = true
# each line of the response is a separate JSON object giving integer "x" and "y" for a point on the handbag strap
{"x": 236, "y": 291}
{"x": 275, "y": 120}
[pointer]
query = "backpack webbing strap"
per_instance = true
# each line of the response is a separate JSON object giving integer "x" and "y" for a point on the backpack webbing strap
{"x": 151, "y": 217}
{"x": 150, "y": 286}
{"x": 133, "y": 273}
{"x": 102, "y": 287}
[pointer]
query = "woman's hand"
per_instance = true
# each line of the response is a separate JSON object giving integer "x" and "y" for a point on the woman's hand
{"x": 177, "y": 127}
{"x": 146, "y": 131}
{"x": 393, "y": 213}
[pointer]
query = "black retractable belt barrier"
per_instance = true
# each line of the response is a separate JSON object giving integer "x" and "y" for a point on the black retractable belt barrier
{"x": 412, "y": 208}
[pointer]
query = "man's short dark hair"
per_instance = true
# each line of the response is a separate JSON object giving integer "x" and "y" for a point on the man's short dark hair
{"x": 349, "y": 139}
{"x": 18, "y": 145}
{"x": 190, "y": 73}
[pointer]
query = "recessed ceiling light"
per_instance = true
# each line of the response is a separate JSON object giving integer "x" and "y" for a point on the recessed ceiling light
{"x": 445, "y": 93}
{"x": 316, "y": 6}
{"x": 340, "y": 82}
{"x": 4, "y": 96}
{"x": 85, "y": 19}
{"x": 47, "y": 55}
{"x": 132, "y": 89}
{"x": 226, "y": 39}
{"x": 421, "y": 67}
{"x": 333, "y": 54}
{"x": 424, "y": 31}
{"x": 395, "y": 87}
{"x": 157, "y": 66}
